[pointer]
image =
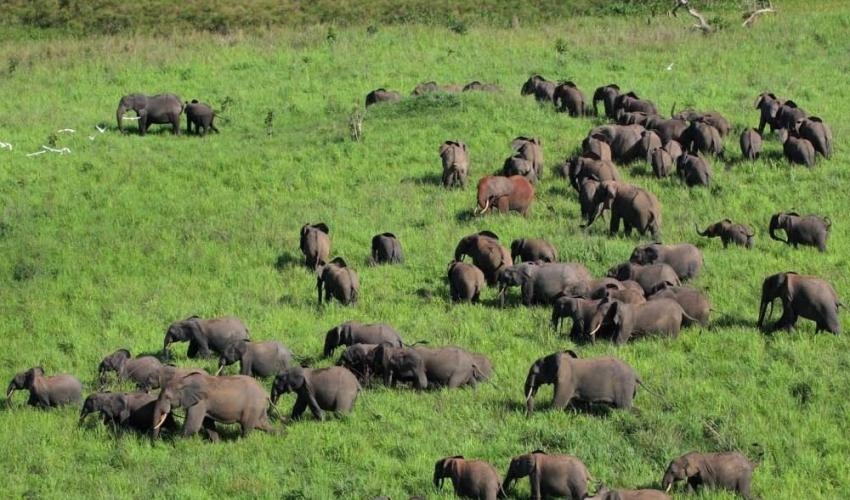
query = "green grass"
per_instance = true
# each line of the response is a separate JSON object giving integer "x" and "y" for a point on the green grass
{"x": 103, "y": 248}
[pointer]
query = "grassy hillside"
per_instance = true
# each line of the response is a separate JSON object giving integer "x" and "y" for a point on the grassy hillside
{"x": 104, "y": 247}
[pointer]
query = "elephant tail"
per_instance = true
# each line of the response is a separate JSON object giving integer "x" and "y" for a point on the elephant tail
{"x": 828, "y": 223}
{"x": 658, "y": 395}
{"x": 418, "y": 342}
{"x": 689, "y": 318}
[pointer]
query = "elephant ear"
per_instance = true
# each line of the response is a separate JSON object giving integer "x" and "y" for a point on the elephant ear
{"x": 121, "y": 408}
{"x": 815, "y": 119}
{"x": 321, "y": 226}
{"x": 795, "y": 214}
{"x": 791, "y": 104}
{"x": 389, "y": 235}
{"x": 519, "y": 142}
{"x": 462, "y": 145}
{"x": 632, "y": 94}
{"x": 193, "y": 389}
{"x": 571, "y": 353}
{"x": 691, "y": 469}
{"x": 727, "y": 220}
{"x": 445, "y": 147}
{"x": 339, "y": 261}
{"x": 614, "y": 86}
{"x": 489, "y": 234}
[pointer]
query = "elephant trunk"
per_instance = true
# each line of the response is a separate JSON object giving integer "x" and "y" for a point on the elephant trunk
{"x": 10, "y": 390}
{"x": 774, "y": 225}
{"x": 703, "y": 233}
{"x": 765, "y": 300}
{"x": 596, "y": 213}
{"x": 275, "y": 395}
{"x": 438, "y": 475}
{"x": 667, "y": 482}
{"x": 83, "y": 414}
{"x": 508, "y": 482}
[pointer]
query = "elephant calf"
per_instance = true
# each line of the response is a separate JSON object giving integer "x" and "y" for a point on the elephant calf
{"x": 381, "y": 95}
{"x": 353, "y": 332}
{"x": 693, "y": 302}
{"x": 470, "y": 478}
{"x": 604, "y": 493}
{"x": 46, "y": 392}
{"x": 623, "y": 321}
{"x": 542, "y": 283}
{"x": 315, "y": 244}
{"x": 596, "y": 380}
{"x": 359, "y": 359}
{"x": 581, "y": 311}
{"x": 481, "y": 87}
{"x": 542, "y": 89}
{"x": 811, "y": 230}
{"x": 685, "y": 259}
{"x": 562, "y": 476}
{"x": 533, "y": 250}
{"x": 465, "y": 282}
{"x": 339, "y": 281}
{"x": 256, "y": 359}
{"x": 798, "y": 150}
{"x": 132, "y": 409}
{"x": 327, "y": 389}
{"x": 205, "y": 336}
{"x": 455, "y": 158}
{"x": 143, "y": 371}
{"x": 751, "y": 144}
{"x": 802, "y": 296}
{"x": 650, "y": 276}
{"x": 729, "y": 232}
{"x": 487, "y": 254}
{"x": 386, "y": 249}
{"x": 694, "y": 170}
{"x": 730, "y": 470}
{"x": 818, "y": 133}
{"x": 661, "y": 162}
{"x": 636, "y": 207}
{"x": 201, "y": 115}
{"x": 450, "y": 367}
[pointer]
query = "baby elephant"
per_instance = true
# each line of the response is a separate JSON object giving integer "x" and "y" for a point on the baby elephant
{"x": 256, "y": 359}
{"x": 455, "y": 157}
{"x": 359, "y": 359}
{"x": 465, "y": 282}
{"x": 694, "y": 170}
{"x": 729, "y": 232}
{"x": 799, "y": 150}
{"x": 685, "y": 259}
{"x": 470, "y": 478}
{"x": 133, "y": 410}
{"x": 750, "y": 144}
{"x": 597, "y": 380}
{"x": 730, "y": 470}
{"x": 201, "y": 115}
{"x": 339, "y": 281}
{"x": 811, "y": 230}
{"x": 386, "y": 249}
{"x": 315, "y": 244}
{"x": 143, "y": 371}
{"x": 327, "y": 389}
{"x": 532, "y": 250}
{"x": 381, "y": 95}
{"x": 603, "y": 493}
{"x": 46, "y": 392}
{"x": 561, "y": 476}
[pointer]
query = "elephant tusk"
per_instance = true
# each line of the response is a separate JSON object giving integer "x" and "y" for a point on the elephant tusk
{"x": 669, "y": 487}
{"x": 161, "y": 421}
{"x": 9, "y": 393}
{"x": 593, "y": 333}
{"x": 530, "y": 390}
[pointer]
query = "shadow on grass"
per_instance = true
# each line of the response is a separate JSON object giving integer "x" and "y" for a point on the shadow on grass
{"x": 593, "y": 409}
{"x": 728, "y": 320}
{"x": 429, "y": 179}
{"x": 465, "y": 215}
{"x": 286, "y": 260}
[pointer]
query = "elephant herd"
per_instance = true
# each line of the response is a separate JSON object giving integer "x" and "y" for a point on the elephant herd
{"x": 166, "y": 109}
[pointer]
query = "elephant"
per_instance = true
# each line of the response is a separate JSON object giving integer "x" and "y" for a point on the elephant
{"x": 609, "y": 288}
{"x": 455, "y": 157}
{"x": 604, "y": 493}
{"x": 208, "y": 399}
{"x": 649, "y": 141}
{"x": 205, "y": 336}
{"x": 450, "y": 367}
{"x": 624, "y": 141}
{"x": 700, "y": 137}
{"x": 580, "y": 310}
{"x": 382, "y": 95}
{"x": 639, "y": 209}
{"x": 594, "y": 148}
{"x": 532, "y": 250}
{"x": 315, "y": 244}
{"x": 595, "y": 380}
{"x": 353, "y": 332}
{"x": 465, "y": 282}
{"x": 569, "y": 98}
{"x": 586, "y": 194}
{"x": 143, "y": 371}
{"x": 133, "y": 409}
{"x": 630, "y": 102}
{"x": 386, "y": 249}
{"x": 685, "y": 259}
{"x": 798, "y": 150}
{"x": 674, "y": 148}
{"x": 339, "y": 281}
{"x": 729, "y": 232}
{"x": 607, "y": 94}
{"x": 45, "y": 392}
{"x": 332, "y": 389}
{"x": 622, "y": 321}
{"x": 667, "y": 129}
{"x": 487, "y": 254}
{"x": 505, "y": 193}
{"x": 483, "y": 87}
{"x": 541, "y": 283}
{"x": 542, "y": 89}
{"x": 632, "y": 117}
{"x": 517, "y": 165}
{"x": 768, "y": 105}
{"x": 470, "y": 478}
{"x": 428, "y": 87}
{"x": 562, "y": 476}
{"x": 201, "y": 115}
{"x": 693, "y": 302}
{"x": 728, "y": 470}
{"x": 649, "y": 276}
{"x": 788, "y": 115}
{"x": 359, "y": 360}
{"x": 751, "y": 144}
{"x": 162, "y": 108}
{"x": 256, "y": 359}
{"x": 530, "y": 149}
{"x": 580, "y": 168}
{"x": 818, "y": 133}
{"x": 810, "y": 230}
{"x": 802, "y": 296}
{"x": 712, "y": 118}
{"x": 694, "y": 170}
{"x": 661, "y": 161}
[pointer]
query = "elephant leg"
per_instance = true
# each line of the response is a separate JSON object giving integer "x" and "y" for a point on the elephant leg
{"x": 143, "y": 123}
{"x": 188, "y": 126}
{"x": 195, "y": 417}
{"x": 627, "y": 228}
{"x": 298, "y": 409}
{"x": 615, "y": 222}
{"x": 503, "y": 204}
{"x": 175, "y": 124}
{"x": 210, "y": 430}
{"x": 563, "y": 395}
{"x": 192, "y": 352}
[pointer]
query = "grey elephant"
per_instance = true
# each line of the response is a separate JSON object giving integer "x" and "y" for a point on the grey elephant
{"x": 695, "y": 303}
{"x": 649, "y": 276}
{"x": 517, "y": 165}
{"x": 728, "y": 470}
{"x": 481, "y": 87}
{"x": 532, "y": 250}
{"x": 685, "y": 259}
{"x": 205, "y": 336}
{"x": 809, "y": 230}
{"x": 118, "y": 409}
{"x": 531, "y": 150}
{"x": 45, "y": 392}
{"x": 208, "y": 399}
{"x": 632, "y": 117}
{"x": 143, "y": 371}
{"x": 386, "y": 249}
{"x": 729, "y": 232}
{"x": 562, "y": 476}
{"x": 607, "y": 94}
{"x": 798, "y": 150}
{"x": 700, "y": 137}
{"x": 605, "y": 493}
{"x": 455, "y": 158}
{"x": 201, "y": 116}
{"x": 751, "y": 144}
{"x": 256, "y": 359}
{"x": 470, "y": 478}
{"x": 667, "y": 129}
{"x": 580, "y": 310}
{"x": 622, "y": 322}
{"x": 788, "y": 115}
{"x": 450, "y": 367}
{"x": 586, "y": 196}
{"x": 649, "y": 141}
{"x": 592, "y": 147}
{"x": 466, "y": 282}
{"x": 542, "y": 283}
{"x": 674, "y": 148}
{"x": 808, "y": 297}
{"x": 162, "y": 108}
{"x": 817, "y": 133}
{"x": 568, "y": 98}
{"x": 624, "y": 141}
{"x": 595, "y": 380}
{"x": 486, "y": 252}
{"x": 630, "y": 102}
{"x": 315, "y": 244}
{"x": 381, "y": 95}
{"x": 662, "y": 163}
{"x": 627, "y": 291}
{"x": 542, "y": 89}
{"x": 694, "y": 170}
{"x": 768, "y": 105}
{"x": 354, "y": 332}
{"x": 579, "y": 168}
{"x": 339, "y": 282}
{"x": 333, "y": 389}
{"x": 636, "y": 207}
{"x": 712, "y": 118}
{"x": 359, "y": 360}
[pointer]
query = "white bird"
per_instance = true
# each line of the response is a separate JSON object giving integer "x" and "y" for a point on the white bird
{"x": 99, "y": 129}
{"x": 5, "y": 145}
{"x": 670, "y": 68}
{"x": 66, "y": 130}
